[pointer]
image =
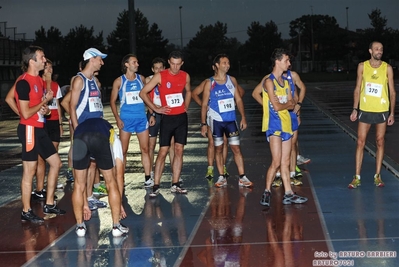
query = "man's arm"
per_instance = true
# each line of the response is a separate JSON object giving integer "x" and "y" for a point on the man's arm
{"x": 76, "y": 88}
{"x": 356, "y": 92}
{"x": 302, "y": 90}
{"x": 277, "y": 106}
{"x": 23, "y": 89}
{"x": 156, "y": 79}
{"x": 187, "y": 98}
{"x": 197, "y": 91}
{"x": 204, "y": 107}
{"x": 65, "y": 102}
{"x": 392, "y": 95}
{"x": 112, "y": 102}
{"x": 240, "y": 105}
{"x": 10, "y": 99}
{"x": 257, "y": 92}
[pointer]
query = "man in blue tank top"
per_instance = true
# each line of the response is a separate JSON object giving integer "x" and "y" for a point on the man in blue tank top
{"x": 218, "y": 104}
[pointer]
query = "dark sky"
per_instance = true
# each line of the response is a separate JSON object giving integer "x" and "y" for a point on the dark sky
{"x": 28, "y": 15}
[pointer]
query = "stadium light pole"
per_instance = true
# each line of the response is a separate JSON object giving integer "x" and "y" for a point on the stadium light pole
{"x": 132, "y": 28}
{"x": 181, "y": 29}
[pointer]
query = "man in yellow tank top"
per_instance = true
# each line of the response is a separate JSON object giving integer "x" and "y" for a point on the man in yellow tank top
{"x": 373, "y": 104}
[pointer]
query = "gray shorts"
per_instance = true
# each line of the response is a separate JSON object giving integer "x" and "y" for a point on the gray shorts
{"x": 373, "y": 117}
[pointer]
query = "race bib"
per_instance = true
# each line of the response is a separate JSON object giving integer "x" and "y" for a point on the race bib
{"x": 133, "y": 98}
{"x": 373, "y": 89}
{"x": 95, "y": 104}
{"x": 226, "y": 105}
{"x": 174, "y": 100}
{"x": 40, "y": 117}
{"x": 53, "y": 104}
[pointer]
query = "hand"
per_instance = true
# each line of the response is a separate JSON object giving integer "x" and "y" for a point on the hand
{"x": 353, "y": 116}
{"x": 152, "y": 121}
{"x": 163, "y": 110}
{"x": 86, "y": 213}
{"x": 391, "y": 120}
{"x": 243, "y": 124}
{"x": 204, "y": 130}
{"x": 120, "y": 123}
{"x": 49, "y": 95}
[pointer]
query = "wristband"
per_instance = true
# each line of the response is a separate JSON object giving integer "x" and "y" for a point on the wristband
{"x": 299, "y": 103}
{"x": 153, "y": 114}
{"x": 203, "y": 124}
{"x": 356, "y": 109}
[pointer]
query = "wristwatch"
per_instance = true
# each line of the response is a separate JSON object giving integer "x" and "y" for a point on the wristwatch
{"x": 203, "y": 124}
{"x": 153, "y": 114}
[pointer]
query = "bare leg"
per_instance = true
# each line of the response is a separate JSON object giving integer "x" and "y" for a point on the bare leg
{"x": 40, "y": 173}
{"x": 145, "y": 154}
{"x": 29, "y": 169}
{"x": 55, "y": 164}
{"x": 362, "y": 131}
{"x": 380, "y": 142}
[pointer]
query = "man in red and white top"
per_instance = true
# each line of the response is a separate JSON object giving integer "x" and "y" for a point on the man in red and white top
{"x": 172, "y": 83}
{"x": 32, "y": 103}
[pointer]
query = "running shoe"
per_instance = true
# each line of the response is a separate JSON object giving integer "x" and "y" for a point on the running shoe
{"x": 225, "y": 173}
{"x": 209, "y": 173}
{"x": 80, "y": 230}
{"x": 92, "y": 206}
{"x": 60, "y": 186}
{"x": 154, "y": 193}
{"x": 177, "y": 189}
{"x": 302, "y": 160}
{"x": 265, "y": 200}
{"x": 30, "y": 216}
{"x": 69, "y": 175}
{"x": 119, "y": 230}
{"x": 38, "y": 195}
{"x": 222, "y": 181}
{"x": 277, "y": 182}
{"x": 149, "y": 183}
{"x": 245, "y": 182}
{"x": 48, "y": 209}
{"x": 377, "y": 181}
{"x": 98, "y": 203}
{"x": 298, "y": 172}
{"x": 296, "y": 181}
{"x": 355, "y": 182}
{"x": 101, "y": 190}
{"x": 293, "y": 199}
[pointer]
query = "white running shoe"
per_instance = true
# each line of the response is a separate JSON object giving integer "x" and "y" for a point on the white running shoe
{"x": 149, "y": 183}
{"x": 80, "y": 230}
{"x": 221, "y": 181}
{"x": 245, "y": 182}
{"x": 301, "y": 160}
{"x": 119, "y": 230}
{"x": 178, "y": 190}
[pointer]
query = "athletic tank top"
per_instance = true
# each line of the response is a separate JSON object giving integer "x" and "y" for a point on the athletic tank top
{"x": 53, "y": 106}
{"x": 276, "y": 120}
{"x": 171, "y": 91}
{"x": 221, "y": 106}
{"x": 89, "y": 104}
{"x": 131, "y": 104}
{"x": 374, "y": 90}
{"x": 36, "y": 95}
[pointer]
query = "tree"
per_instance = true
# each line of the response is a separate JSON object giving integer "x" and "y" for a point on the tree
{"x": 150, "y": 42}
{"x": 329, "y": 40}
{"x": 260, "y": 45}
{"x": 208, "y": 42}
{"x": 51, "y": 41}
{"x": 75, "y": 43}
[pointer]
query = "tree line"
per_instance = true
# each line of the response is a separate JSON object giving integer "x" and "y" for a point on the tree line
{"x": 316, "y": 38}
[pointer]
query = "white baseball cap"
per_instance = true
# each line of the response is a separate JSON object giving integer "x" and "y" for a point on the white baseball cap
{"x": 92, "y": 52}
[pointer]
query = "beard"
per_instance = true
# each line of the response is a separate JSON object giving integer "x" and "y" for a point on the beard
{"x": 377, "y": 56}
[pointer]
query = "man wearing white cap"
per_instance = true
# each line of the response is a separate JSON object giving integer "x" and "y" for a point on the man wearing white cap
{"x": 86, "y": 104}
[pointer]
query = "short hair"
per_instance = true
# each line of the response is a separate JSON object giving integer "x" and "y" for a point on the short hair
{"x": 218, "y": 57}
{"x": 176, "y": 54}
{"x": 158, "y": 60}
{"x": 278, "y": 54}
{"x": 373, "y": 42}
{"x": 125, "y": 59}
{"x": 27, "y": 54}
